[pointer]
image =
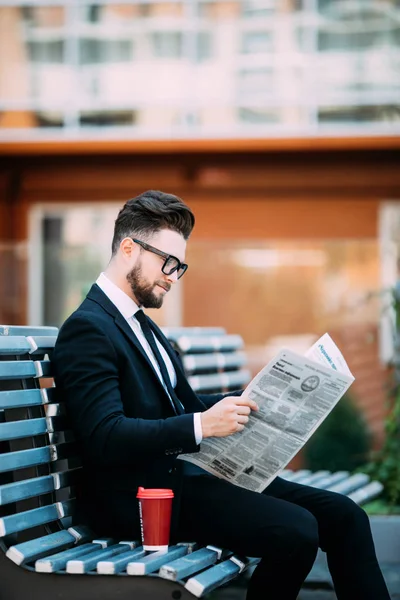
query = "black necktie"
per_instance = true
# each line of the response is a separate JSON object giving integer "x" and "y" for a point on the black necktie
{"x": 148, "y": 334}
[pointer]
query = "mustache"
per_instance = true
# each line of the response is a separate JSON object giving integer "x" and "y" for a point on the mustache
{"x": 163, "y": 284}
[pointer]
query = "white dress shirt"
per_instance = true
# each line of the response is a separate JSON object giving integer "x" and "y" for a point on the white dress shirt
{"x": 127, "y": 307}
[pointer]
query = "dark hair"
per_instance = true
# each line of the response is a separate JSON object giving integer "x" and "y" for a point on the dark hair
{"x": 150, "y": 212}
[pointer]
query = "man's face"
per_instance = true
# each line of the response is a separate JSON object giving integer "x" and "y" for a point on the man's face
{"x": 148, "y": 283}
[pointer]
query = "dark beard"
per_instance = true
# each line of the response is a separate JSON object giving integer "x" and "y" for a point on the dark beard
{"x": 143, "y": 293}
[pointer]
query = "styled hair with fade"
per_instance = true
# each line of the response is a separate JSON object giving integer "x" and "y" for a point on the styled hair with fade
{"x": 150, "y": 212}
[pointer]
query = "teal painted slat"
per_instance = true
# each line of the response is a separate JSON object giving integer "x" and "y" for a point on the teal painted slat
{"x": 28, "y": 519}
{"x": 23, "y": 369}
{"x": 39, "y": 345}
{"x": 58, "y": 561}
{"x": 25, "y": 331}
{"x": 84, "y": 565}
{"x": 26, "y": 458}
{"x": 20, "y": 369}
{"x": 20, "y": 490}
{"x": 155, "y": 560}
{"x": 216, "y": 361}
{"x": 173, "y": 333}
{"x": 20, "y": 398}
{"x": 20, "y": 429}
{"x": 194, "y": 344}
{"x": 14, "y": 346}
{"x": 232, "y": 380}
{"x": 34, "y": 549}
{"x": 351, "y": 484}
{"x": 189, "y": 564}
{"x": 215, "y": 576}
{"x": 117, "y": 564}
{"x": 212, "y": 578}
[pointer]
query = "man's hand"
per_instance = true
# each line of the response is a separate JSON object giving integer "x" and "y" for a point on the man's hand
{"x": 227, "y": 416}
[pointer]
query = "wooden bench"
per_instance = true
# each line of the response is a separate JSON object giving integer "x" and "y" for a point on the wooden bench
{"x": 44, "y": 549}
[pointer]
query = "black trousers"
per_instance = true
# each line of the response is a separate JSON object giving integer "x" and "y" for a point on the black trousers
{"x": 284, "y": 526}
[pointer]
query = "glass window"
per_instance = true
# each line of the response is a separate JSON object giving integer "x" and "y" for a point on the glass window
{"x": 204, "y": 46}
{"x": 167, "y": 44}
{"x": 259, "y": 116}
{"x": 46, "y": 52}
{"x": 254, "y": 42}
{"x": 255, "y": 81}
{"x": 95, "y": 51}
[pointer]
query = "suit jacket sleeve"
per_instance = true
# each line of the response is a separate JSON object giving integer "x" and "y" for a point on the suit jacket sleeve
{"x": 87, "y": 378}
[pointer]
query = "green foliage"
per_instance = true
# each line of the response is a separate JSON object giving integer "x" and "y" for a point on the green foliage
{"x": 342, "y": 442}
{"x": 381, "y": 507}
{"x": 385, "y": 464}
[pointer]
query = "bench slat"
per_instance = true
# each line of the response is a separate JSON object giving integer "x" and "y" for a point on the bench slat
{"x": 36, "y": 516}
{"x": 215, "y": 576}
{"x": 26, "y": 331}
{"x": 20, "y": 490}
{"x": 351, "y": 484}
{"x": 36, "y": 456}
{"x": 86, "y": 564}
{"x": 58, "y": 561}
{"x": 233, "y": 380}
{"x": 192, "y": 344}
{"x": 297, "y": 476}
{"x": 23, "y": 369}
{"x": 191, "y": 563}
{"x": 15, "y": 430}
{"x": 39, "y": 547}
{"x": 25, "y": 458}
{"x": 174, "y": 333}
{"x": 332, "y": 479}
{"x": 194, "y": 363}
{"x": 30, "y": 551}
{"x": 40, "y": 344}
{"x": 25, "y": 398}
{"x": 154, "y": 561}
{"x": 314, "y": 478}
{"x": 14, "y": 346}
{"x": 118, "y": 564}
{"x": 367, "y": 492}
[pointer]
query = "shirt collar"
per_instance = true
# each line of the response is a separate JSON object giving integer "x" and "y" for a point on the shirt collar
{"x": 126, "y": 306}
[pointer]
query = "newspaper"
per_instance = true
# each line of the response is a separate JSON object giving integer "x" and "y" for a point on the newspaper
{"x": 294, "y": 393}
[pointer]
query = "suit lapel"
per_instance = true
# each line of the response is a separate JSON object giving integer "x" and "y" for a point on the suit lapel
{"x": 183, "y": 390}
{"x": 98, "y": 296}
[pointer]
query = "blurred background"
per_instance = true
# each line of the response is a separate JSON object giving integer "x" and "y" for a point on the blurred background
{"x": 277, "y": 121}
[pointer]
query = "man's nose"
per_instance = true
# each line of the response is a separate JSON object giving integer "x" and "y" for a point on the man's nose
{"x": 172, "y": 277}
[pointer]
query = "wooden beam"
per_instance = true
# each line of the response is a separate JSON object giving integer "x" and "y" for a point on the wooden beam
{"x": 211, "y": 146}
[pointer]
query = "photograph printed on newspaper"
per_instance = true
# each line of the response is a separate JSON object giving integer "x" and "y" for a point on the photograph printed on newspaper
{"x": 295, "y": 394}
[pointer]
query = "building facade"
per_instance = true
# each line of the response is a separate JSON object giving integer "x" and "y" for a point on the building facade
{"x": 277, "y": 121}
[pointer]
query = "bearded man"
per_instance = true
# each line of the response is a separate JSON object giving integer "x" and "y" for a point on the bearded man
{"x": 133, "y": 412}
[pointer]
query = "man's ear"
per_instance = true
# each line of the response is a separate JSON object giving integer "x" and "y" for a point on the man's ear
{"x": 128, "y": 248}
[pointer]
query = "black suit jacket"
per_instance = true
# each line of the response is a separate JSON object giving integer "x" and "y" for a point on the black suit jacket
{"x": 121, "y": 415}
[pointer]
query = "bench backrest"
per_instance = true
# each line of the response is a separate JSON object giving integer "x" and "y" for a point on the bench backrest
{"x": 39, "y": 464}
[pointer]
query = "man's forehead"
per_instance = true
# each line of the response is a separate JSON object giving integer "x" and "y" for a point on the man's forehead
{"x": 170, "y": 242}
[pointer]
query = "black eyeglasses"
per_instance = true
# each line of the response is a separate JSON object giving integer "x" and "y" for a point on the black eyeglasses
{"x": 171, "y": 263}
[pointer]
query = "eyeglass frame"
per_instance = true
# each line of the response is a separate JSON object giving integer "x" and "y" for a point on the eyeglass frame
{"x": 164, "y": 255}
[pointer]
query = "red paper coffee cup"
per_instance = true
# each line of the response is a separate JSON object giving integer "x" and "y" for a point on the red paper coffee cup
{"x": 155, "y": 507}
